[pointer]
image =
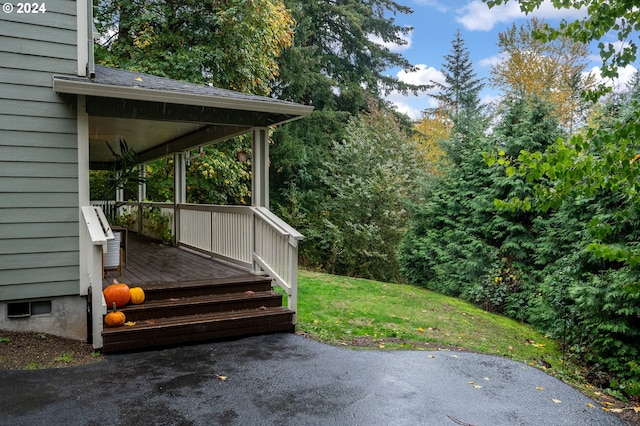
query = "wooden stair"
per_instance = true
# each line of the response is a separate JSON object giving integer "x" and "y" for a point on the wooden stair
{"x": 196, "y": 311}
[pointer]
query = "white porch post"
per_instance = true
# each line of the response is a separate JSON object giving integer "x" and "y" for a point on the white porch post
{"x": 179, "y": 190}
{"x": 142, "y": 186}
{"x": 260, "y": 168}
{"x": 119, "y": 196}
{"x": 90, "y": 256}
{"x": 259, "y": 181}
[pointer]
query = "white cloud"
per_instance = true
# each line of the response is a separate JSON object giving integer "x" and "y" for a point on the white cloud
{"x": 476, "y": 16}
{"x": 424, "y": 75}
{"x": 490, "y": 99}
{"x": 491, "y": 60}
{"x": 624, "y": 76}
{"x": 548, "y": 11}
{"x": 414, "y": 105}
{"x": 404, "y": 108}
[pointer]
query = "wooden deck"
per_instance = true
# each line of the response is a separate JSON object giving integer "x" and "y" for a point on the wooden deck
{"x": 191, "y": 298}
{"x": 150, "y": 263}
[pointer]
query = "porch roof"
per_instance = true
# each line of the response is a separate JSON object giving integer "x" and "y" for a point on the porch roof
{"x": 158, "y": 116}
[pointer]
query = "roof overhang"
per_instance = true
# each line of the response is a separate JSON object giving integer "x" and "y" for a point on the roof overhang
{"x": 79, "y": 86}
{"x": 158, "y": 116}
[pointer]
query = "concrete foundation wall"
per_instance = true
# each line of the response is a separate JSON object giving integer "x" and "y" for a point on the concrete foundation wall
{"x": 68, "y": 318}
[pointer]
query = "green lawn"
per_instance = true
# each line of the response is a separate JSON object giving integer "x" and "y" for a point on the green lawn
{"x": 357, "y": 312}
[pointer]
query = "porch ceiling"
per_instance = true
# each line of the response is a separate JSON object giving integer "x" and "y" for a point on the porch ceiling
{"x": 141, "y": 135}
{"x": 159, "y": 116}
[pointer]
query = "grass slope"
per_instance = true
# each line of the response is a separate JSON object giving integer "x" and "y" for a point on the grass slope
{"x": 359, "y": 312}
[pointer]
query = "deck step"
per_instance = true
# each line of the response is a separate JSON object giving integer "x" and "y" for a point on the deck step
{"x": 197, "y": 311}
{"x": 162, "y": 332}
{"x": 193, "y": 305}
{"x": 243, "y": 284}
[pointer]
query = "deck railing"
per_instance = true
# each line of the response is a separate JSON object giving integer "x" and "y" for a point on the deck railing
{"x": 251, "y": 237}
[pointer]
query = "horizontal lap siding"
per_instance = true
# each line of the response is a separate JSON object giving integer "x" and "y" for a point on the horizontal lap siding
{"x": 38, "y": 155}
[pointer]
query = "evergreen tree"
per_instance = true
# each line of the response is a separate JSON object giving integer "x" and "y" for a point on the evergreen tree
{"x": 459, "y": 95}
{"x": 457, "y": 242}
{"x": 339, "y": 58}
{"x": 297, "y": 191}
{"x": 589, "y": 248}
{"x": 593, "y": 177}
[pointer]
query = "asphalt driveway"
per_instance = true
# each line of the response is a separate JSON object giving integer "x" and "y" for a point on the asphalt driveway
{"x": 289, "y": 380}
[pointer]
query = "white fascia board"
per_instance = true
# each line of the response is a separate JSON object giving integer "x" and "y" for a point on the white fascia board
{"x": 75, "y": 87}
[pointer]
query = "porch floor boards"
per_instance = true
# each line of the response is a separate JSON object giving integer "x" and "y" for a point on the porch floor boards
{"x": 149, "y": 263}
{"x": 191, "y": 298}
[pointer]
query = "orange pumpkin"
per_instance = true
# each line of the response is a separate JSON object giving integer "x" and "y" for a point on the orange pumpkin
{"x": 114, "y": 318}
{"x": 137, "y": 295}
{"x": 117, "y": 293}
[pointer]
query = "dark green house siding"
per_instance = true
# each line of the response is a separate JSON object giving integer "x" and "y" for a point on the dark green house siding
{"x": 38, "y": 155}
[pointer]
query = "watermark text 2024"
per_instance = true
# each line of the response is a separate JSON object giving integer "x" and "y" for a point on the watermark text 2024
{"x": 23, "y": 8}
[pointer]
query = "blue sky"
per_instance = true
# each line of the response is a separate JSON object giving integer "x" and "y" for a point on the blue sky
{"x": 435, "y": 23}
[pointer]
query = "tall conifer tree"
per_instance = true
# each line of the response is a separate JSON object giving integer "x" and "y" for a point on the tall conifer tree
{"x": 340, "y": 54}
{"x": 459, "y": 95}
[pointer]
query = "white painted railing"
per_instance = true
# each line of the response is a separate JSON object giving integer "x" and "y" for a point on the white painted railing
{"x": 98, "y": 233}
{"x": 250, "y": 237}
{"x": 276, "y": 251}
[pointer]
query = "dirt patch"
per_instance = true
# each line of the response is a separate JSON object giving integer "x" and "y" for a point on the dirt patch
{"x": 395, "y": 342}
{"x": 34, "y": 351}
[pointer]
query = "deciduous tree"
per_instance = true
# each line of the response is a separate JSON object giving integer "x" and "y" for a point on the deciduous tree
{"x": 602, "y": 17}
{"x": 430, "y": 133}
{"x": 552, "y": 70}
{"x": 370, "y": 176}
{"x": 231, "y": 44}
